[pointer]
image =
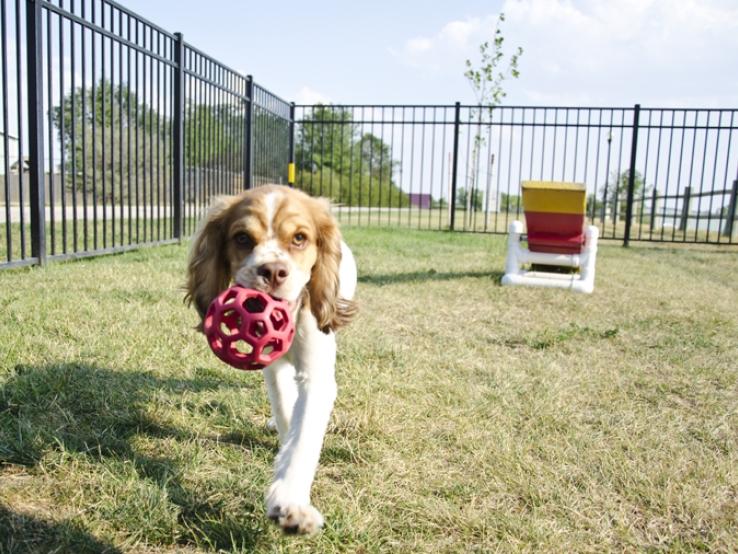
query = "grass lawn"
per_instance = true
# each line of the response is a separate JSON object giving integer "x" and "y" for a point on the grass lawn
{"x": 470, "y": 418}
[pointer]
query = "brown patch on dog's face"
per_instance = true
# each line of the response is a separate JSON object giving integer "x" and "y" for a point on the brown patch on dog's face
{"x": 245, "y": 228}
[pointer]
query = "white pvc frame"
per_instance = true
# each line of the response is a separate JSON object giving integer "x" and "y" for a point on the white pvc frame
{"x": 578, "y": 282}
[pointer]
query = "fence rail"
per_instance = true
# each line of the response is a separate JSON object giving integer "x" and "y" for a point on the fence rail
{"x": 115, "y": 133}
{"x": 652, "y": 174}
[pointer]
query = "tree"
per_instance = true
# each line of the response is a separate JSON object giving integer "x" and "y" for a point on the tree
{"x": 594, "y": 205}
{"x": 326, "y": 137}
{"x": 269, "y": 132}
{"x": 375, "y": 157}
{"x": 486, "y": 81}
{"x": 214, "y": 135}
{"x": 441, "y": 203}
{"x": 334, "y": 160}
{"x": 471, "y": 201}
{"x": 617, "y": 194}
{"x": 509, "y": 203}
{"x": 118, "y": 141}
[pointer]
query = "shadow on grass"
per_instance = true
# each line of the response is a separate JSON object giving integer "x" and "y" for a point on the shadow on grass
{"x": 429, "y": 275}
{"x": 23, "y": 534}
{"x": 98, "y": 412}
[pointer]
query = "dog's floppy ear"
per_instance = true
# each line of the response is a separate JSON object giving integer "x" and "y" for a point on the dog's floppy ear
{"x": 208, "y": 271}
{"x": 330, "y": 310}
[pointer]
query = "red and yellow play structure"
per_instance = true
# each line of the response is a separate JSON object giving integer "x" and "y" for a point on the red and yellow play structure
{"x": 557, "y": 236}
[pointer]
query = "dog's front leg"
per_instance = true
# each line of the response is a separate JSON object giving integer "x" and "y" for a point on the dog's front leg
{"x": 282, "y": 391}
{"x": 288, "y": 498}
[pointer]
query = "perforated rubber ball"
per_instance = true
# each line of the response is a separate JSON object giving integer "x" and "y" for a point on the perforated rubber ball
{"x": 248, "y": 329}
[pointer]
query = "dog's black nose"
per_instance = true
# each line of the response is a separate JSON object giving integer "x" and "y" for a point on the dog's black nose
{"x": 274, "y": 273}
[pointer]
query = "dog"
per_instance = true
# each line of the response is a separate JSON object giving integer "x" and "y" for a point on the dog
{"x": 283, "y": 242}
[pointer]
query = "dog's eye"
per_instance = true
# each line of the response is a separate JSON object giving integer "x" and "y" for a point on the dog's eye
{"x": 299, "y": 240}
{"x": 243, "y": 240}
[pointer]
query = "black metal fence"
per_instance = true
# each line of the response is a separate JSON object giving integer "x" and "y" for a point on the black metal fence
{"x": 652, "y": 174}
{"x": 115, "y": 133}
{"x": 102, "y": 113}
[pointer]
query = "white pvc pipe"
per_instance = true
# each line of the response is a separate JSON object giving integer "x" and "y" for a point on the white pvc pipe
{"x": 525, "y": 256}
{"x": 572, "y": 282}
{"x": 517, "y": 255}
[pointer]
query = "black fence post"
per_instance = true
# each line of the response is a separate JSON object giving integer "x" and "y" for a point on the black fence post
{"x": 652, "y": 218}
{"x": 34, "y": 51}
{"x": 728, "y": 229}
{"x": 455, "y": 166}
{"x": 603, "y": 210}
{"x": 631, "y": 175}
{"x": 685, "y": 208}
{"x": 248, "y": 150}
{"x": 291, "y": 164}
{"x": 178, "y": 138}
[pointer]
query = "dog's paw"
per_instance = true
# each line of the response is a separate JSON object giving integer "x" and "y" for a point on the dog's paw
{"x": 296, "y": 519}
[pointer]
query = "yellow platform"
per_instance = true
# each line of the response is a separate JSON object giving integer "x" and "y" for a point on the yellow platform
{"x": 554, "y": 197}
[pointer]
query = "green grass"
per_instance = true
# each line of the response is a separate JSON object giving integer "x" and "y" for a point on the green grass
{"x": 68, "y": 238}
{"x": 470, "y": 418}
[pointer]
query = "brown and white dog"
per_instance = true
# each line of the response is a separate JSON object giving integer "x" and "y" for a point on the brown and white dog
{"x": 282, "y": 241}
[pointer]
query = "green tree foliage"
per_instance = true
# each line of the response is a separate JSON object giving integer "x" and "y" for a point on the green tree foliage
{"x": 486, "y": 81}
{"x": 617, "y": 194}
{"x": 471, "y": 202}
{"x": 375, "y": 157}
{"x": 336, "y": 161}
{"x": 121, "y": 143}
{"x": 594, "y": 205}
{"x": 326, "y": 138}
{"x": 510, "y": 203}
{"x": 441, "y": 203}
{"x": 352, "y": 189}
{"x": 271, "y": 136}
{"x": 214, "y": 136}
{"x": 116, "y": 139}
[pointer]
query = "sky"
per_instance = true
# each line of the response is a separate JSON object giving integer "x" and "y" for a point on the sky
{"x": 660, "y": 53}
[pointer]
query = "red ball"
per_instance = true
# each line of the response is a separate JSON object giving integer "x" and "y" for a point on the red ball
{"x": 248, "y": 329}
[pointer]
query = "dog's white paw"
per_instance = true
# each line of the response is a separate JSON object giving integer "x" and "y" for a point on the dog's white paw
{"x": 296, "y": 519}
{"x": 291, "y": 510}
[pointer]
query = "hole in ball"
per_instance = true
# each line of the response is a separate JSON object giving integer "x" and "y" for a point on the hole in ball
{"x": 255, "y": 305}
{"x": 230, "y": 297}
{"x": 273, "y": 346}
{"x": 279, "y": 319}
{"x": 258, "y": 329}
{"x": 230, "y": 323}
{"x": 242, "y": 347}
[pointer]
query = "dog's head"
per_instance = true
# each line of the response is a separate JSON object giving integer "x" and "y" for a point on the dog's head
{"x": 274, "y": 239}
